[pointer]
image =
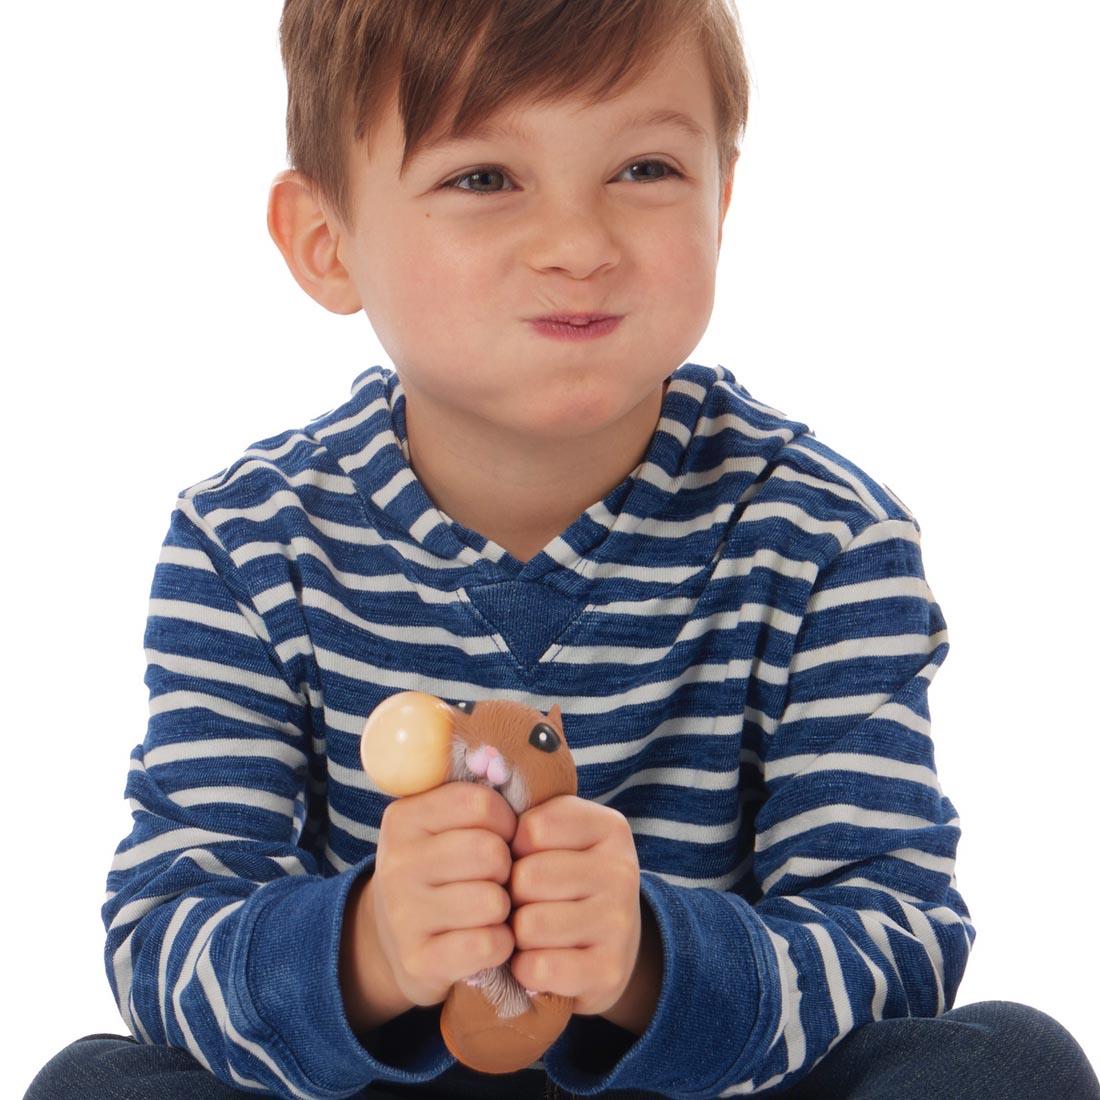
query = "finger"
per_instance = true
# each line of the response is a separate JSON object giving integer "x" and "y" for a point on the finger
{"x": 457, "y": 805}
{"x": 570, "y": 876}
{"x": 552, "y": 876}
{"x": 566, "y": 972}
{"x": 564, "y": 821}
{"x": 465, "y": 905}
{"x": 464, "y": 854}
{"x": 566, "y": 924}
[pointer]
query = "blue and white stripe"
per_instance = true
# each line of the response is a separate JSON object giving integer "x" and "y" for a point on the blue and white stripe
{"x": 741, "y": 638}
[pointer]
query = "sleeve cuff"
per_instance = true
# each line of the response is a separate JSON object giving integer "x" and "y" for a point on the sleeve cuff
{"x": 710, "y": 1015}
{"x": 285, "y": 981}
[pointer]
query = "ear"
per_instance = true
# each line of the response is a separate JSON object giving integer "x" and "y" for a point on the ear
{"x": 724, "y": 203}
{"x": 301, "y": 228}
{"x": 553, "y": 716}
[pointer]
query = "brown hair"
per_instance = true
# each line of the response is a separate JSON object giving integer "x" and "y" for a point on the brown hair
{"x": 344, "y": 57}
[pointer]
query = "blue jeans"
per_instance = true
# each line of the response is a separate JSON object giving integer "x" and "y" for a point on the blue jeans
{"x": 989, "y": 1050}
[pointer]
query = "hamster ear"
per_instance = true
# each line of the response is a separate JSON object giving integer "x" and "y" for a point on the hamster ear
{"x": 554, "y": 718}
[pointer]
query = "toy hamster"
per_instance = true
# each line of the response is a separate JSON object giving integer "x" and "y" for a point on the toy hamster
{"x": 412, "y": 742}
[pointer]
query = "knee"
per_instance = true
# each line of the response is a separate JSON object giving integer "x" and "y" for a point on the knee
{"x": 69, "y": 1072}
{"x": 1029, "y": 1047}
{"x": 1012, "y": 1021}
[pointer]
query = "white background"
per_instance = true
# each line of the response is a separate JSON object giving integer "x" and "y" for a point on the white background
{"x": 909, "y": 266}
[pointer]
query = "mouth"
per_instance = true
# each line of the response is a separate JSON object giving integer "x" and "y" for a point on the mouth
{"x": 574, "y": 330}
{"x": 578, "y": 319}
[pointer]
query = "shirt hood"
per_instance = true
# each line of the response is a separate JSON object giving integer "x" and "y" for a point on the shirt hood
{"x": 671, "y": 508}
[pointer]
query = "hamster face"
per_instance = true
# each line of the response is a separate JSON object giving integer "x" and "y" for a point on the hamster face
{"x": 516, "y": 750}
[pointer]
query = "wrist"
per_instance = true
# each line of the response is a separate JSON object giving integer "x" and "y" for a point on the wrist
{"x": 635, "y": 1009}
{"x": 371, "y": 996}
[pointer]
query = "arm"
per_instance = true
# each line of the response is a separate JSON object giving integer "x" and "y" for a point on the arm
{"x": 223, "y": 936}
{"x": 858, "y": 917}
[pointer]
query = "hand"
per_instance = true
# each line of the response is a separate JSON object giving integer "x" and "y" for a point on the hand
{"x": 576, "y": 902}
{"x": 437, "y": 898}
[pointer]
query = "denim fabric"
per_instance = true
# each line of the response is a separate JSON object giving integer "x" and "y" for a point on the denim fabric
{"x": 992, "y": 1049}
{"x": 989, "y": 1050}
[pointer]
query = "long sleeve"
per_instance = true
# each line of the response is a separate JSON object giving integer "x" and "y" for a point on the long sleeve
{"x": 858, "y": 916}
{"x": 222, "y": 935}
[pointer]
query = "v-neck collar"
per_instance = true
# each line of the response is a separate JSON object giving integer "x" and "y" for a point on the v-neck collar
{"x": 368, "y": 438}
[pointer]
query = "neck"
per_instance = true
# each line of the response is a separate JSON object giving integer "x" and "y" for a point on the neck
{"x": 517, "y": 491}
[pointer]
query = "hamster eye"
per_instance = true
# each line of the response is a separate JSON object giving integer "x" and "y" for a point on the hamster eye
{"x": 466, "y": 707}
{"x": 544, "y": 738}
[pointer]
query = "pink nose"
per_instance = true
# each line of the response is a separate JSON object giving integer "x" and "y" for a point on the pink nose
{"x": 488, "y": 762}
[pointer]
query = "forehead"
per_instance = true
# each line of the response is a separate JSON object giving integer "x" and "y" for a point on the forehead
{"x": 671, "y": 89}
{"x": 501, "y": 127}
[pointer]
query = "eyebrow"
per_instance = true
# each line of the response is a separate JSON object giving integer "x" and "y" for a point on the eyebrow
{"x": 642, "y": 120}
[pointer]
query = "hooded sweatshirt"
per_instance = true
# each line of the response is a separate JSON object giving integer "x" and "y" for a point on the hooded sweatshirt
{"x": 740, "y": 637}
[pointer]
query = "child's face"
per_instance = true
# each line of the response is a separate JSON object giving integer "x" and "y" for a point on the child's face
{"x": 450, "y": 276}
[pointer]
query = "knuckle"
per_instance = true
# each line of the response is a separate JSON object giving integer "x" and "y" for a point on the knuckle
{"x": 620, "y": 921}
{"x": 628, "y": 877}
{"x": 618, "y": 871}
{"x": 461, "y": 799}
{"x": 392, "y": 869}
{"x": 486, "y": 943}
{"x": 392, "y": 817}
{"x": 619, "y": 826}
{"x": 479, "y": 800}
{"x": 536, "y": 831}
{"x": 488, "y": 852}
{"x": 413, "y": 964}
{"x": 400, "y": 920}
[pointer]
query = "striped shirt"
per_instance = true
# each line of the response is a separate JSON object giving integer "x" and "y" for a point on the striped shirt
{"x": 741, "y": 639}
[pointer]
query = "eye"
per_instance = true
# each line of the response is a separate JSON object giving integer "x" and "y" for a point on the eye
{"x": 544, "y": 738}
{"x": 488, "y": 170}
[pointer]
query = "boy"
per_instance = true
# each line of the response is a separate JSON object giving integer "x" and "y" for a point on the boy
{"x": 734, "y": 618}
